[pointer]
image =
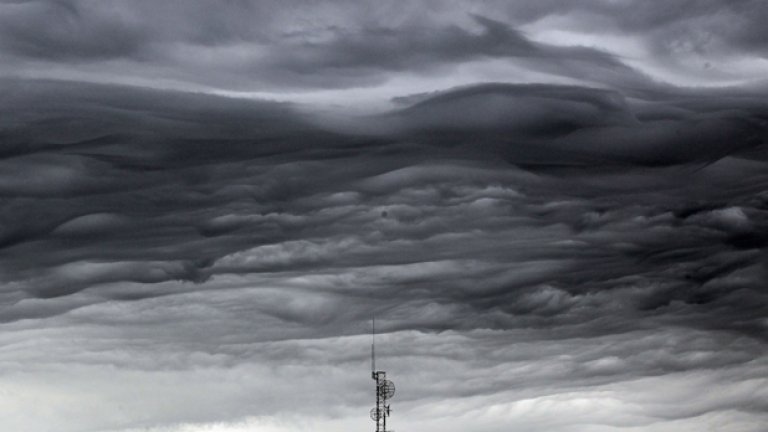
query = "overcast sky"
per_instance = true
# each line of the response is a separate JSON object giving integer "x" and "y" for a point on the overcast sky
{"x": 557, "y": 211}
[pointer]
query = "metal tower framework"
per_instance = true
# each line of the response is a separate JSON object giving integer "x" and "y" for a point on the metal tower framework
{"x": 385, "y": 389}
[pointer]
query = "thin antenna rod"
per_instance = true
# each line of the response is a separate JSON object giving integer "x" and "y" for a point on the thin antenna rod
{"x": 373, "y": 344}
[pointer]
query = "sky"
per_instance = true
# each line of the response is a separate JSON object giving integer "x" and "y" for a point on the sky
{"x": 557, "y": 212}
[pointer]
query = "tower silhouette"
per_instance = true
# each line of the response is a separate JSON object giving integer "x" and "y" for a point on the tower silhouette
{"x": 385, "y": 388}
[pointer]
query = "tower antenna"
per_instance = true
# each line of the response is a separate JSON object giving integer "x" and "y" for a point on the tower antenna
{"x": 373, "y": 345}
{"x": 385, "y": 388}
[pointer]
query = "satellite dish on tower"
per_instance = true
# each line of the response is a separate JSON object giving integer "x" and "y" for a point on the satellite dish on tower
{"x": 376, "y": 414}
{"x": 387, "y": 389}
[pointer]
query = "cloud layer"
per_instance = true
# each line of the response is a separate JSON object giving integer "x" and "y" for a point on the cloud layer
{"x": 533, "y": 257}
{"x": 578, "y": 247}
{"x": 382, "y": 49}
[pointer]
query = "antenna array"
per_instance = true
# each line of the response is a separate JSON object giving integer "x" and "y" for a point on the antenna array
{"x": 385, "y": 388}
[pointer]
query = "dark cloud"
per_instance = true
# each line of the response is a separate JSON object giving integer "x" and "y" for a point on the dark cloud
{"x": 373, "y": 52}
{"x": 247, "y": 48}
{"x": 691, "y": 26}
{"x": 687, "y": 26}
{"x": 585, "y": 250}
{"x": 96, "y": 205}
{"x": 557, "y": 125}
{"x": 66, "y": 31}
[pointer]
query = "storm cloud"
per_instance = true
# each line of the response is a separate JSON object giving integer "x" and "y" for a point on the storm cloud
{"x": 268, "y": 47}
{"x": 198, "y": 217}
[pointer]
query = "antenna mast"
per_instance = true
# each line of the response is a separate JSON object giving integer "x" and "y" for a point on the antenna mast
{"x": 385, "y": 389}
{"x": 373, "y": 347}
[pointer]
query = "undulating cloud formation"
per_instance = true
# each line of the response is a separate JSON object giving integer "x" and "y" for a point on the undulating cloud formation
{"x": 557, "y": 212}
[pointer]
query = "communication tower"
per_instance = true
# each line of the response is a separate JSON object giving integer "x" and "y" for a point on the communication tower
{"x": 385, "y": 388}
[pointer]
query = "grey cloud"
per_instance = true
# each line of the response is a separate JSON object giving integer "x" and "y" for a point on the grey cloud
{"x": 536, "y": 124}
{"x": 694, "y": 26}
{"x": 214, "y": 243}
{"x": 174, "y": 191}
{"x": 249, "y": 50}
{"x": 66, "y": 31}
{"x": 685, "y": 27}
{"x": 374, "y": 51}
{"x": 79, "y": 31}
{"x": 583, "y": 249}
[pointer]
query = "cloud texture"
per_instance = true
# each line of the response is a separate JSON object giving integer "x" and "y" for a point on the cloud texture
{"x": 578, "y": 247}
